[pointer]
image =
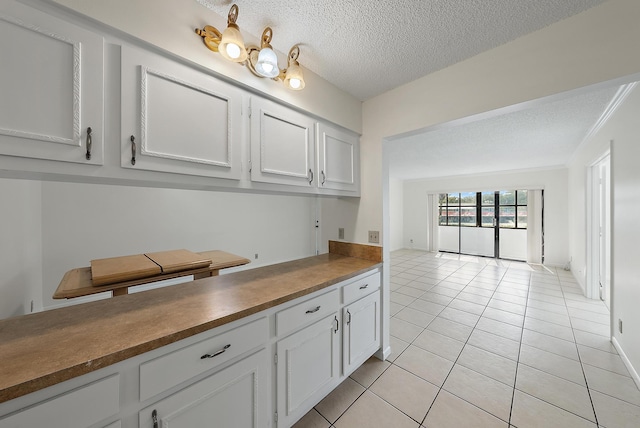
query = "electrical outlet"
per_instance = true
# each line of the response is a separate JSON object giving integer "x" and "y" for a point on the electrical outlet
{"x": 374, "y": 237}
{"x": 341, "y": 233}
{"x": 620, "y": 325}
{"x": 411, "y": 241}
{"x": 256, "y": 256}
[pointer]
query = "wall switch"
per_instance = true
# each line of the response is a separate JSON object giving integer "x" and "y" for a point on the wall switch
{"x": 411, "y": 241}
{"x": 620, "y": 326}
{"x": 341, "y": 233}
{"x": 374, "y": 237}
{"x": 256, "y": 256}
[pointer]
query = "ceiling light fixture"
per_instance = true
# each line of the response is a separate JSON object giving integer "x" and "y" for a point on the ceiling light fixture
{"x": 262, "y": 61}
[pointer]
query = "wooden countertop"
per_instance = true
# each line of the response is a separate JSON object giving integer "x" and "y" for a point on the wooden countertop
{"x": 42, "y": 349}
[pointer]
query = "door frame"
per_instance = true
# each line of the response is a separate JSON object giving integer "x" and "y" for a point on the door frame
{"x": 594, "y": 213}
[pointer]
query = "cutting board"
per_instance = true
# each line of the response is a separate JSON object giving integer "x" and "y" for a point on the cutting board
{"x": 126, "y": 268}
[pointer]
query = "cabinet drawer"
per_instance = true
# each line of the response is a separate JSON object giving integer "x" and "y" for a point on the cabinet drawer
{"x": 360, "y": 288}
{"x": 169, "y": 370}
{"x": 303, "y": 313}
{"x": 79, "y": 408}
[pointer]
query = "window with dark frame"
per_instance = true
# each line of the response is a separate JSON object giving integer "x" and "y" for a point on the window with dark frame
{"x": 478, "y": 209}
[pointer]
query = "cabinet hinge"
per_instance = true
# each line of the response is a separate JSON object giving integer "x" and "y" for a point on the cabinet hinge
{"x": 276, "y": 416}
{"x": 275, "y": 359}
{"x": 250, "y": 166}
{"x": 249, "y": 112}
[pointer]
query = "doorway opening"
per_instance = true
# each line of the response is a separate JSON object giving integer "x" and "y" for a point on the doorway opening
{"x": 599, "y": 276}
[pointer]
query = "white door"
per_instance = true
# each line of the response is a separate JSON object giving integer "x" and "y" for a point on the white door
{"x": 282, "y": 145}
{"x": 338, "y": 159}
{"x": 181, "y": 120}
{"x": 308, "y": 367}
{"x": 604, "y": 239}
{"x": 361, "y": 333}
{"x": 51, "y": 86}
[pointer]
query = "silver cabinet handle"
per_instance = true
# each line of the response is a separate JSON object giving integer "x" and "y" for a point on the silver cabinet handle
{"x": 337, "y": 324}
{"x": 154, "y": 418}
{"x": 310, "y": 177}
{"x": 215, "y": 354}
{"x": 349, "y": 318}
{"x": 362, "y": 287}
{"x": 323, "y": 177}
{"x": 89, "y": 143}
{"x": 314, "y": 310}
{"x": 133, "y": 150}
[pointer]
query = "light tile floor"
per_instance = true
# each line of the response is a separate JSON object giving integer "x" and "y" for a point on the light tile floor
{"x": 483, "y": 343}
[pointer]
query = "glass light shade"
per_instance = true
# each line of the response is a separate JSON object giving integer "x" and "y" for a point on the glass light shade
{"x": 267, "y": 64}
{"x": 293, "y": 78}
{"x": 232, "y": 45}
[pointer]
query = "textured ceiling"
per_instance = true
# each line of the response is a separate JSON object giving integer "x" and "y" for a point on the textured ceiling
{"x": 367, "y": 47}
{"x": 543, "y": 136}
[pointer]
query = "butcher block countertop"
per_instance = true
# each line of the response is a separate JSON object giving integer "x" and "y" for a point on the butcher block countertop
{"x": 42, "y": 349}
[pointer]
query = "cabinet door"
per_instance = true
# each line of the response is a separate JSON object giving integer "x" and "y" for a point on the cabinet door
{"x": 51, "y": 81}
{"x": 338, "y": 159}
{"x": 308, "y": 368}
{"x": 182, "y": 120}
{"x": 282, "y": 145}
{"x": 234, "y": 397}
{"x": 361, "y": 333}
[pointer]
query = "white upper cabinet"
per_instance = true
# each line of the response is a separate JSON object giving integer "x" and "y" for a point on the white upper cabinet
{"x": 51, "y": 86}
{"x": 181, "y": 120}
{"x": 338, "y": 159}
{"x": 282, "y": 145}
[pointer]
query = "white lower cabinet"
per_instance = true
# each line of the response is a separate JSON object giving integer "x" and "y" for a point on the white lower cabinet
{"x": 308, "y": 367}
{"x": 233, "y": 397}
{"x": 79, "y": 408}
{"x": 361, "y": 332}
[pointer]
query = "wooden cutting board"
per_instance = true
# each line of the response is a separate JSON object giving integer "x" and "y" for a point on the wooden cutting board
{"x": 126, "y": 268}
{"x": 178, "y": 260}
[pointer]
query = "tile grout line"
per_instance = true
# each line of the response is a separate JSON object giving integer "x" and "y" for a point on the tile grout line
{"x": 586, "y": 382}
{"x": 515, "y": 378}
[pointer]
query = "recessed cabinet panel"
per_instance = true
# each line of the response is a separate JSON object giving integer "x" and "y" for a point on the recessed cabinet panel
{"x": 181, "y": 120}
{"x": 51, "y": 82}
{"x": 338, "y": 159}
{"x": 234, "y": 397}
{"x": 308, "y": 368}
{"x": 282, "y": 145}
{"x": 361, "y": 335}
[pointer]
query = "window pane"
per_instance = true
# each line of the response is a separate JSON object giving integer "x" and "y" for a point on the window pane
{"x": 522, "y": 197}
{"x": 443, "y": 216}
{"x": 442, "y": 199}
{"x": 468, "y": 198}
{"x": 488, "y": 213}
{"x": 508, "y": 217}
{"x": 507, "y": 197}
{"x": 454, "y": 198}
{"x": 468, "y": 216}
{"x": 522, "y": 217}
{"x": 488, "y": 198}
{"x": 454, "y": 216}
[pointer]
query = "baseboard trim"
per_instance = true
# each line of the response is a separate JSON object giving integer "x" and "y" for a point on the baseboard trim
{"x": 627, "y": 363}
{"x": 383, "y": 354}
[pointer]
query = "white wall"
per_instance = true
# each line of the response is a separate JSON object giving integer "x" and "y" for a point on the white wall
{"x": 20, "y": 247}
{"x": 623, "y": 129}
{"x": 81, "y": 222}
{"x": 553, "y": 181}
{"x": 585, "y": 49}
{"x": 396, "y": 215}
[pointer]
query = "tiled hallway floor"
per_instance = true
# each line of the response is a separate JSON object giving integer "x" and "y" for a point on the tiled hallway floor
{"x": 480, "y": 343}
